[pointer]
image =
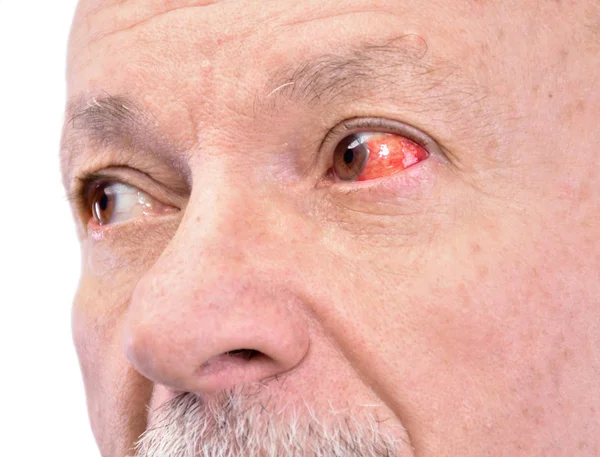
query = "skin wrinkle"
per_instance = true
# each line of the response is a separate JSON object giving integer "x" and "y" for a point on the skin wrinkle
{"x": 366, "y": 380}
{"x": 116, "y": 120}
{"x": 329, "y": 75}
{"x": 383, "y": 278}
{"x": 139, "y": 22}
{"x": 446, "y": 84}
{"x": 107, "y": 124}
{"x": 362, "y": 12}
{"x": 312, "y": 81}
{"x": 108, "y": 120}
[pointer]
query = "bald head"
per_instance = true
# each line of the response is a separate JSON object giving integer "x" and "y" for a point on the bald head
{"x": 369, "y": 226}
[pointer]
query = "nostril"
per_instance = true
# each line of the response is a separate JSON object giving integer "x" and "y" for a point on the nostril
{"x": 235, "y": 359}
{"x": 245, "y": 354}
{"x": 235, "y": 367}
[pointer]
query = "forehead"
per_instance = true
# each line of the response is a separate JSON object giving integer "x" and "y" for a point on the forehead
{"x": 246, "y": 33}
{"x": 225, "y": 17}
{"x": 182, "y": 59}
{"x": 230, "y": 46}
{"x": 205, "y": 70}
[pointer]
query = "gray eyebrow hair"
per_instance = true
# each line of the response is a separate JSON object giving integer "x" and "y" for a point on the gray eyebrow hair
{"x": 401, "y": 67}
{"x": 106, "y": 118}
{"x": 108, "y": 121}
{"x": 396, "y": 68}
{"x": 108, "y": 110}
{"x": 329, "y": 75}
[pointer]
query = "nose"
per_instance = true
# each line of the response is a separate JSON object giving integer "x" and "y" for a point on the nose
{"x": 210, "y": 315}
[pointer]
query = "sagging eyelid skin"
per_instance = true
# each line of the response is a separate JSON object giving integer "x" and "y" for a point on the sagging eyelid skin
{"x": 359, "y": 156}
{"x": 335, "y": 228}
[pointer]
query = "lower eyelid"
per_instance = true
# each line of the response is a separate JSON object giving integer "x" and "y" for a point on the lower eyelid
{"x": 137, "y": 179}
{"x": 405, "y": 182}
{"x": 129, "y": 203}
{"x": 133, "y": 225}
{"x": 377, "y": 125}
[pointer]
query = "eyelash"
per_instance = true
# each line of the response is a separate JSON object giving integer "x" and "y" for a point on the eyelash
{"x": 350, "y": 126}
{"x": 379, "y": 124}
{"x": 81, "y": 194}
{"x": 83, "y": 188}
{"x": 372, "y": 124}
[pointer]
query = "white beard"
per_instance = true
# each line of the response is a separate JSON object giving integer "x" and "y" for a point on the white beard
{"x": 242, "y": 426}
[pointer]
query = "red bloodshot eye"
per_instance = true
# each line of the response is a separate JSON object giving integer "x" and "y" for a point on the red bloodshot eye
{"x": 388, "y": 154}
{"x": 372, "y": 155}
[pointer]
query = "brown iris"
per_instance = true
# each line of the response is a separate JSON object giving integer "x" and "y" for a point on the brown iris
{"x": 103, "y": 204}
{"x": 350, "y": 157}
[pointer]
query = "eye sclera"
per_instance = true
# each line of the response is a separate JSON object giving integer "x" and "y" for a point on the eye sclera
{"x": 123, "y": 202}
{"x": 376, "y": 125}
{"x": 164, "y": 192}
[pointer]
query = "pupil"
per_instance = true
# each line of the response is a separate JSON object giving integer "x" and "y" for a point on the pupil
{"x": 104, "y": 202}
{"x": 348, "y": 156}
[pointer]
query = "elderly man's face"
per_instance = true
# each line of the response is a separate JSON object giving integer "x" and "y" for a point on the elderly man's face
{"x": 337, "y": 228}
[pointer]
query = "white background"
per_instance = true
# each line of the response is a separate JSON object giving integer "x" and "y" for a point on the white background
{"x": 42, "y": 410}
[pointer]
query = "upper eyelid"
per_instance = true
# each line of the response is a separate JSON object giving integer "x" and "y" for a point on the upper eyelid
{"x": 373, "y": 124}
{"x": 84, "y": 185}
{"x": 353, "y": 125}
{"x": 81, "y": 187}
{"x": 81, "y": 193}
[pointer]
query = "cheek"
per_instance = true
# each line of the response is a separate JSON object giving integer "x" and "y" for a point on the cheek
{"x": 462, "y": 326}
{"x": 116, "y": 395}
{"x": 124, "y": 253}
{"x": 94, "y": 330}
{"x": 496, "y": 326}
{"x": 97, "y": 341}
{"x": 485, "y": 308}
{"x": 113, "y": 263}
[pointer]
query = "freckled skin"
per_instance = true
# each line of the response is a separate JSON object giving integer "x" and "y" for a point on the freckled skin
{"x": 460, "y": 296}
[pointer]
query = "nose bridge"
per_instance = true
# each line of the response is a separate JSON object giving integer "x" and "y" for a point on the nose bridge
{"x": 224, "y": 224}
{"x": 207, "y": 315}
{"x": 230, "y": 211}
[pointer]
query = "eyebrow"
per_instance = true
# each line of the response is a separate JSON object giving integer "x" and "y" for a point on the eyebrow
{"x": 106, "y": 120}
{"x": 402, "y": 68}
{"x": 397, "y": 68}
{"x": 106, "y": 116}
{"x": 330, "y": 75}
